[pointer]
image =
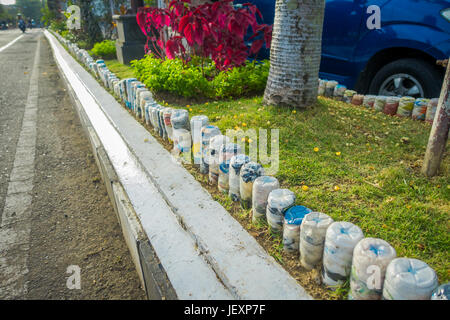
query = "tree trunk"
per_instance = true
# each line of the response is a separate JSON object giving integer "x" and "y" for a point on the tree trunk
{"x": 295, "y": 53}
{"x": 439, "y": 131}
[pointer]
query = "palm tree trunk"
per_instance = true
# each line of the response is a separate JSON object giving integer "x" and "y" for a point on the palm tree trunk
{"x": 295, "y": 53}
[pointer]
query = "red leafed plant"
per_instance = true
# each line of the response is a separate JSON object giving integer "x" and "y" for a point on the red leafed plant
{"x": 212, "y": 30}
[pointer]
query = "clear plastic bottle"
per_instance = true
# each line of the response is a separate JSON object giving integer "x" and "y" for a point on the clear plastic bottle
{"x": 236, "y": 164}
{"x": 420, "y": 109}
{"x": 339, "y": 91}
{"x": 442, "y": 292}
{"x": 262, "y": 186}
{"x": 291, "y": 227}
{"x": 215, "y": 145}
{"x": 329, "y": 88}
{"x": 368, "y": 101}
{"x": 197, "y": 123}
{"x": 145, "y": 97}
{"x": 167, "y": 113}
{"x": 322, "y": 85}
{"x": 348, "y": 95}
{"x": 182, "y": 146}
{"x": 357, "y": 99}
{"x": 409, "y": 279}
{"x": 380, "y": 102}
{"x": 391, "y": 105}
{"x": 228, "y": 151}
{"x": 207, "y": 133}
{"x": 180, "y": 119}
{"x": 312, "y": 238}
{"x": 340, "y": 240}
{"x": 249, "y": 172}
{"x": 431, "y": 110}
{"x": 163, "y": 132}
{"x": 128, "y": 83}
{"x": 371, "y": 257}
{"x": 405, "y": 106}
{"x": 278, "y": 202}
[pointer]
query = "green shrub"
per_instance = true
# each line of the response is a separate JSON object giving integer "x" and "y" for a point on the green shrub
{"x": 105, "y": 49}
{"x": 58, "y": 26}
{"x": 199, "y": 77}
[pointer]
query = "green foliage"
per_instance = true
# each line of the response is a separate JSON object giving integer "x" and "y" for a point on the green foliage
{"x": 5, "y": 14}
{"x": 58, "y": 26}
{"x": 150, "y": 3}
{"x": 199, "y": 77}
{"x": 47, "y": 16}
{"x": 30, "y": 9}
{"x": 248, "y": 79}
{"x": 105, "y": 49}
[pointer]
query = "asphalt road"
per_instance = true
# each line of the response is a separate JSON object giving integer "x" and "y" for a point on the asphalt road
{"x": 55, "y": 215}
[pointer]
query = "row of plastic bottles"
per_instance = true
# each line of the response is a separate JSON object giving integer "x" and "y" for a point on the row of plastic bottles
{"x": 371, "y": 264}
{"x": 409, "y": 107}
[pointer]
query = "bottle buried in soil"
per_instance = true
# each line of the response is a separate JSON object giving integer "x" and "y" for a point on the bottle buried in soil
{"x": 391, "y": 106}
{"x": 371, "y": 257}
{"x": 261, "y": 188}
{"x": 236, "y": 164}
{"x": 442, "y": 292}
{"x": 249, "y": 172}
{"x": 339, "y": 91}
{"x": 167, "y": 113}
{"x": 405, "y": 106}
{"x": 329, "y": 88}
{"x": 409, "y": 279}
{"x": 180, "y": 119}
{"x": 420, "y": 109}
{"x": 312, "y": 238}
{"x": 197, "y": 123}
{"x": 215, "y": 145}
{"x": 431, "y": 110}
{"x": 207, "y": 133}
{"x": 228, "y": 151}
{"x": 182, "y": 144}
{"x": 278, "y": 202}
{"x": 368, "y": 101}
{"x": 148, "y": 107}
{"x": 348, "y": 95}
{"x": 340, "y": 240}
{"x": 291, "y": 227}
{"x": 380, "y": 102}
{"x": 128, "y": 83}
{"x": 357, "y": 99}
{"x": 322, "y": 86}
{"x": 163, "y": 132}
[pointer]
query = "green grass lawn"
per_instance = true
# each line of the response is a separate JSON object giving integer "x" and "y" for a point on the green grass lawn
{"x": 358, "y": 165}
{"x": 121, "y": 71}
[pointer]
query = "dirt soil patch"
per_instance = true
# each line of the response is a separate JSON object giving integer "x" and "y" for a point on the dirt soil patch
{"x": 73, "y": 219}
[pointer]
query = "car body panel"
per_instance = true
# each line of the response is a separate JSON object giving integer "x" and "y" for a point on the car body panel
{"x": 348, "y": 45}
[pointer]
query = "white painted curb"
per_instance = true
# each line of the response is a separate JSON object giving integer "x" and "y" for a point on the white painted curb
{"x": 203, "y": 250}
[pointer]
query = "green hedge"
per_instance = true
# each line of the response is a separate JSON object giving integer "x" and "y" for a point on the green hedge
{"x": 105, "y": 49}
{"x": 200, "y": 78}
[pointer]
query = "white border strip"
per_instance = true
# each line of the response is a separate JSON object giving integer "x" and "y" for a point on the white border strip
{"x": 189, "y": 274}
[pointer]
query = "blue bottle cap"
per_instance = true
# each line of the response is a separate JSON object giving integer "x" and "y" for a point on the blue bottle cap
{"x": 295, "y": 214}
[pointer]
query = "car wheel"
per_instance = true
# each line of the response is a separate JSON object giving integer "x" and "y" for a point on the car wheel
{"x": 407, "y": 77}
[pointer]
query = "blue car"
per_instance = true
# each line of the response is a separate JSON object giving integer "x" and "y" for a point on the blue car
{"x": 397, "y": 59}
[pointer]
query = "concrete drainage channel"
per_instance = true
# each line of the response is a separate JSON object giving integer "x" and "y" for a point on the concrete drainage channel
{"x": 184, "y": 244}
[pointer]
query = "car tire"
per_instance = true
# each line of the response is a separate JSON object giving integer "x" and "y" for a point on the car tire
{"x": 421, "y": 71}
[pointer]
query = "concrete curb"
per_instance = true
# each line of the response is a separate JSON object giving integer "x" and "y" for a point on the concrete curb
{"x": 203, "y": 251}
